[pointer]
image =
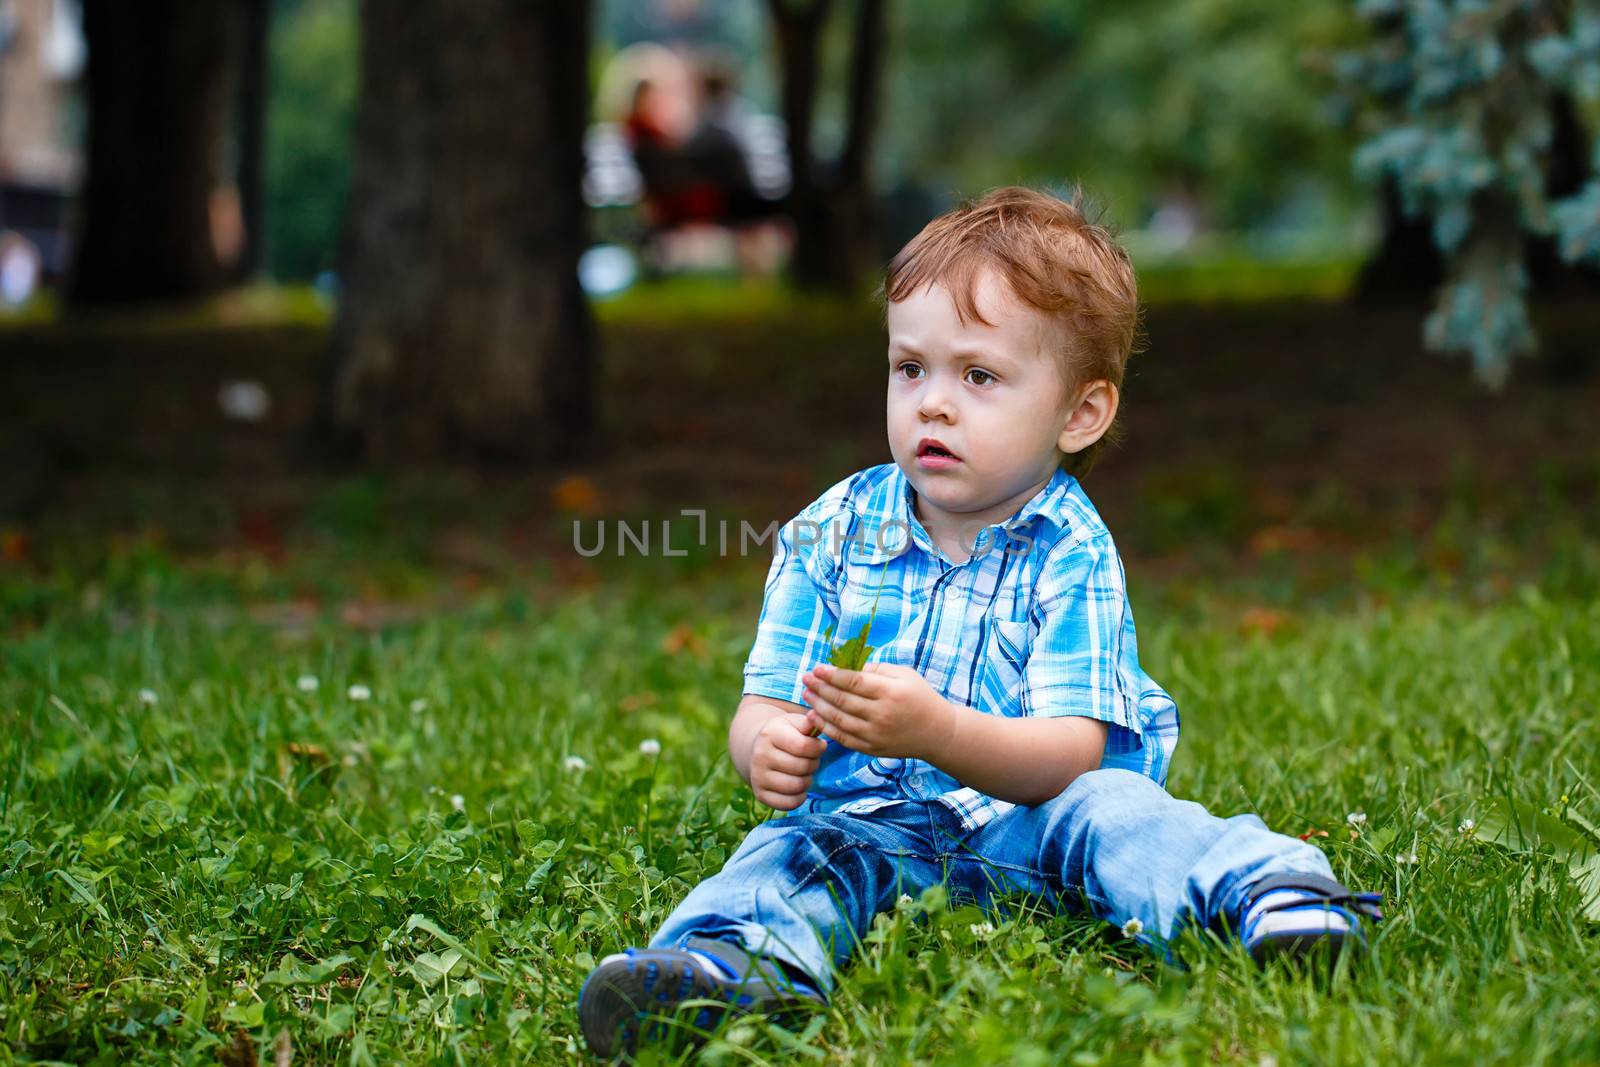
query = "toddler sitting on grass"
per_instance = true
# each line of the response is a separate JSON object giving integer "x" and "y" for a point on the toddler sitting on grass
{"x": 1003, "y": 737}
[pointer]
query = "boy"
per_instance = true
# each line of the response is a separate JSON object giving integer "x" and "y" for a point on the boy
{"x": 1003, "y": 737}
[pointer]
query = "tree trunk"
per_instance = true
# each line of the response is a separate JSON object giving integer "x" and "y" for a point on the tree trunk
{"x": 1566, "y": 171}
{"x": 856, "y": 217}
{"x": 798, "y": 27}
{"x": 157, "y": 88}
{"x": 463, "y": 332}
{"x": 833, "y": 208}
{"x": 1406, "y": 266}
{"x": 251, "y": 100}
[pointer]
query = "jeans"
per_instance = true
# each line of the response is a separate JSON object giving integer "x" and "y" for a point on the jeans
{"x": 805, "y": 887}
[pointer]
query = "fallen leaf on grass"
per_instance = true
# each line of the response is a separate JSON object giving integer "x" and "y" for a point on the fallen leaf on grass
{"x": 14, "y": 546}
{"x": 1285, "y": 539}
{"x": 304, "y": 767}
{"x": 1262, "y": 620}
{"x": 576, "y": 493}
{"x": 241, "y": 1053}
{"x": 680, "y": 638}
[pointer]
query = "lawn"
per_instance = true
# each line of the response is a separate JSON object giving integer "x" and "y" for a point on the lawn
{"x": 326, "y": 766}
{"x": 253, "y": 812}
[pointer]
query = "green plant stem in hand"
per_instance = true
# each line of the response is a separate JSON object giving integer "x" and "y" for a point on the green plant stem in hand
{"x": 852, "y": 655}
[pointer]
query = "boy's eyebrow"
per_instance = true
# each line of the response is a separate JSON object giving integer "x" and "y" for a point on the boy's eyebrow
{"x": 974, "y": 351}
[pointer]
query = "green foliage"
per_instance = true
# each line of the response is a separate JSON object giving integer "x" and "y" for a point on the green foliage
{"x": 310, "y": 117}
{"x": 1462, "y": 94}
{"x": 1212, "y": 100}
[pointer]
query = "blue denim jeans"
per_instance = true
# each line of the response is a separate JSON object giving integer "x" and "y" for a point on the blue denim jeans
{"x": 805, "y": 887}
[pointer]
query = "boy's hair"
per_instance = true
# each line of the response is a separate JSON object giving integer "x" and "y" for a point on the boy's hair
{"x": 1054, "y": 259}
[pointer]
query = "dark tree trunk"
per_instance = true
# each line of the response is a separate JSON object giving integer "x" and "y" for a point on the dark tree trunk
{"x": 855, "y": 217}
{"x": 1567, "y": 170}
{"x": 254, "y": 36}
{"x": 157, "y": 80}
{"x": 463, "y": 332}
{"x": 1406, "y": 266}
{"x": 832, "y": 206}
{"x": 798, "y": 24}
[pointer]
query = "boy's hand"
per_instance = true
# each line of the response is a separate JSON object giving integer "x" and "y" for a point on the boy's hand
{"x": 887, "y": 710}
{"x": 783, "y": 757}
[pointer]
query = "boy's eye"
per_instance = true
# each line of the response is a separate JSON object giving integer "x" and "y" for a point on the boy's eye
{"x": 910, "y": 370}
{"x": 976, "y": 373}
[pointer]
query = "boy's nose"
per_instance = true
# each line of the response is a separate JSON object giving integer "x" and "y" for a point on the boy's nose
{"x": 936, "y": 403}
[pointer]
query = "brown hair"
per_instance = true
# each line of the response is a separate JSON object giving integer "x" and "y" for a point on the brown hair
{"x": 1054, "y": 259}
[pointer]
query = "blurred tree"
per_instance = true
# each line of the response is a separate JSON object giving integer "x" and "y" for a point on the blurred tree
{"x": 1469, "y": 109}
{"x": 463, "y": 332}
{"x": 311, "y": 111}
{"x": 157, "y": 81}
{"x": 1406, "y": 263}
{"x": 250, "y": 103}
{"x": 831, "y": 203}
{"x": 1212, "y": 103}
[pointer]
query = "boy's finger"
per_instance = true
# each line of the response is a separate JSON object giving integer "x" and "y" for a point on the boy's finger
{"x": 780, "y": 801}
{"x": 839, "y": 698}
{"x": 787, "y": 784}
{"x": 867, "y": 685}
{"x": 805, "y": 749}
{"x": 845, "y": 738}
{"x": 791, "y": 763}
{"x": 838, "y": 718}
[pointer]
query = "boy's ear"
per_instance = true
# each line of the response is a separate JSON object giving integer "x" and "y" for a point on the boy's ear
{"x": 1091, "y": 416}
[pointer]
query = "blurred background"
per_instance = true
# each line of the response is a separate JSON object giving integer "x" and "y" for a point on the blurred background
{"x": 365, "y": 303}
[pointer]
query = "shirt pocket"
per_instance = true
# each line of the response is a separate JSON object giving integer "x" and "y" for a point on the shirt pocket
{"x": 1005, "y": 656}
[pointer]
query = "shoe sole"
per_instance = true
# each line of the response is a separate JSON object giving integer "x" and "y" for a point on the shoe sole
{"x": 1302, "y": 946}
{"x": 620, "y": 1000}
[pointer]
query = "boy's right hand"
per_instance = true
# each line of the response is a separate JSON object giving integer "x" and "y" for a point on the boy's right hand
{"x": 783, "y": 758}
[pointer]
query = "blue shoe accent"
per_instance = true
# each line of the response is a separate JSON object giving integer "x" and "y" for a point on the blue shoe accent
{"x": 622, "y": 1004}
{"x": 1311, "y": 911}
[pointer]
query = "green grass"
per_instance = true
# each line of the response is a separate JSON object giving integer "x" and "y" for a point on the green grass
{"x": 242, "y": 865}
{"x": 1224, "y": 274}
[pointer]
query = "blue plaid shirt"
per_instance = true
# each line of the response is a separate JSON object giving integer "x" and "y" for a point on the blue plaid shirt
{"x": 1034, "y": 623}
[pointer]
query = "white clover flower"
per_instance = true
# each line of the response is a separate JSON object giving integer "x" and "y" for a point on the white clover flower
{"x": 1467, "y": 826}
{"x": 307, "y": 683}
{"x": 1356, "y": 818}
{"x": 983, "y": 930}
{"x": 148, "y": 697}
{"x": 458, "y": 802}
{"x": 359, "y": 692}
{"x": 1133, "y": 927}
{"x": 576, "y": 763}
{"x": 1406, "y": 857}
{"x": 904, "y": 901}
{"x": 418, "y": 706}
{"x": 650, "y": 747}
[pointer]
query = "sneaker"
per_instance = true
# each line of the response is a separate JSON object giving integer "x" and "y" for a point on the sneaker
{"x": 626, "y": 990}
{"x": 1296, "y": 915}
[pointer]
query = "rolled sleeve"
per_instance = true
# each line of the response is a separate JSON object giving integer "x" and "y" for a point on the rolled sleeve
{"x": 798, "y": 607}
{"x": 1078, "y": 661}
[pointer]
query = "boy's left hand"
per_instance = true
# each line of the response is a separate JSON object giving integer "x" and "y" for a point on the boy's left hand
{"x": 886, "y": 710}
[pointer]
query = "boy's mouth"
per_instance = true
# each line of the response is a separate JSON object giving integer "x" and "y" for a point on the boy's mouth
{"x": 932, "y": 453}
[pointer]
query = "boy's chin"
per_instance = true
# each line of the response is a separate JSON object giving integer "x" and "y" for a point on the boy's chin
{"x": 941, "y": 493}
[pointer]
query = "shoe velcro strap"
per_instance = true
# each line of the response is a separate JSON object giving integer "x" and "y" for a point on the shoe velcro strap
{"x": 1328, "y": 890}
{"x": 778, "y": 974}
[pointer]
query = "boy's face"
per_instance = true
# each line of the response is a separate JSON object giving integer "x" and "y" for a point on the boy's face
{"x": 991, "y": 395}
